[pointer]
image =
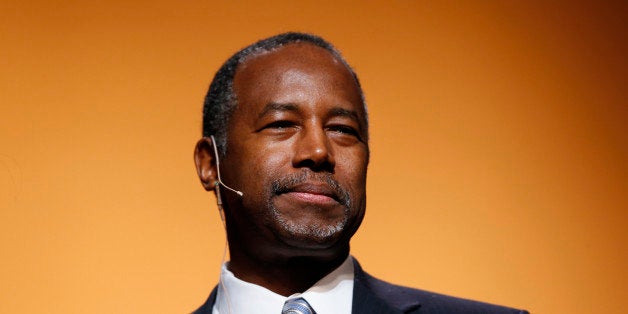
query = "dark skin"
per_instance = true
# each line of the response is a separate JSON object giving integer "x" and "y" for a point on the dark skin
{"x": 297, "y": 148}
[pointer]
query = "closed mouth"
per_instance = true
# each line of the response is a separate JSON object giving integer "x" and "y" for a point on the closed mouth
{"x": 312, "y": 190}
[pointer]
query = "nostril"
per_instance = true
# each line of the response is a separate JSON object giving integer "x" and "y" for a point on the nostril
{"x": 307, "y": 163}
{"x": 325, "y": 166}
{"x": 320, "y": 166}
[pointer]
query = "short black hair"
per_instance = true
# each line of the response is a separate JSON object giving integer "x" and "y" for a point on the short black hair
{"x": 221, "y": 101}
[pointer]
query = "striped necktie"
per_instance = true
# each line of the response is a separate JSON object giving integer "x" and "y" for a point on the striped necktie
{"x": 297, "y": 306}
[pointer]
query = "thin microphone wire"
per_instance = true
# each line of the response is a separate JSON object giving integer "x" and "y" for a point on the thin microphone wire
{"x": 221, "y": 210}
{"x": 222, "y": 284}
{"x": 218, "y": 168}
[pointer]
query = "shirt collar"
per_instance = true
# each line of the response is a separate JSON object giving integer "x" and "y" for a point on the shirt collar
{"x": 332, "y": 294}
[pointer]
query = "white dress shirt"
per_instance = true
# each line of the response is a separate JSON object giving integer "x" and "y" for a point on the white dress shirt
{"x": 332, "y": 294}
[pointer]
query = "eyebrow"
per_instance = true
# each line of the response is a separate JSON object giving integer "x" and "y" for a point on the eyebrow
{"x": 273, "y": 107}
{"x": 291, "y": 107}
{"x": 341, "y": 112}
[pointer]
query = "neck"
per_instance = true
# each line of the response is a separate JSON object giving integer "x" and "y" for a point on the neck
{"x": 284, "y": 276}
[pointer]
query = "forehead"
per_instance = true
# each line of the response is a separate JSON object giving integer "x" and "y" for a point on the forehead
{"x": 291, "y": 55}
{"x": 295, "y": 70}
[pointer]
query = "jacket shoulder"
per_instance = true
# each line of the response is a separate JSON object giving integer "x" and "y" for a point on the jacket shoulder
{"x": 411, "y": 300}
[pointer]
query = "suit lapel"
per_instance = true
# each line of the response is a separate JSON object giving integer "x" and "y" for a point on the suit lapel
{"x": 364, "y": 301}
{"x": 371, "y": 295}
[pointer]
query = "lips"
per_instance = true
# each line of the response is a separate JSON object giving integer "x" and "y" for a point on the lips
{"x": 310, "y": 188}
{"x": 310, "y": 192}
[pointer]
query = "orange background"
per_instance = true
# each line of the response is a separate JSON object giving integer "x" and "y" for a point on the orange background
{"x": 499, "y": 148}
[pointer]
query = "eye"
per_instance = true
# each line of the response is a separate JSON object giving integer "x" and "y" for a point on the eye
{"x": 280, "y": 128}
{"x": 280, "y": 124}
{"x": 345, "y": 130}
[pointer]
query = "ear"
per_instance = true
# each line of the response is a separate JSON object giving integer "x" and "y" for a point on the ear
{"x": 205, "y": 163}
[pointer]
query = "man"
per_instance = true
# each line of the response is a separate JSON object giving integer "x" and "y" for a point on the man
{"x": 285, "y": 149}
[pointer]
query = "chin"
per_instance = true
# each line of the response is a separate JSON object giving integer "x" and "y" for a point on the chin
{"x": 312, "y": 236}
{"x": 313, "y": 232}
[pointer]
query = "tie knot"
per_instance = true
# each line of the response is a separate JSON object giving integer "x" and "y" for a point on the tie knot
{"x": 297, "y": 306}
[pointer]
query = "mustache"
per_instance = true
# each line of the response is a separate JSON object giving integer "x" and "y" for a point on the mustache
{"x": 287, "y": 183}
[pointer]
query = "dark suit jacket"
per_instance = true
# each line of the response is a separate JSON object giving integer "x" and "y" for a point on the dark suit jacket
{"x": 371, "y": 295}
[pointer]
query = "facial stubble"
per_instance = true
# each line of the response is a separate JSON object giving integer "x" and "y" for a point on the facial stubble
{"x": 317, "y": 232}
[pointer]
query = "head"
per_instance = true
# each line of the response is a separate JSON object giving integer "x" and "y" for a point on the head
{"x": 220, "y": 100}
{"x": 290, "y": 124}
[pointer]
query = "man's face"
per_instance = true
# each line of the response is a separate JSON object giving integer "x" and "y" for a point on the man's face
{"x": 297, "y": 148}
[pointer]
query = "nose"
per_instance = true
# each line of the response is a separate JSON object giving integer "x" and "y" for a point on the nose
{"x": 313, "y": 150}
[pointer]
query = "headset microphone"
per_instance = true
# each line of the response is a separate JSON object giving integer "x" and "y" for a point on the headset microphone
{"x": 218, "y": 172}
{"x": 222, "y": 216}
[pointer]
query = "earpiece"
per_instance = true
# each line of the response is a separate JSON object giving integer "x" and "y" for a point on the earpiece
{"x": 218, "y": 172}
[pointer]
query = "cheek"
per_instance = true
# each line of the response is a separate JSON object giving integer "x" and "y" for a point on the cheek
{"x": 265, "y": 165}
{"x": 354, "y": 173}
{"x": 274, "y": 157}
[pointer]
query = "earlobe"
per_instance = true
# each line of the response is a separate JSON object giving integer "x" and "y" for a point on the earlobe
{"x": 205, "y": 163}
